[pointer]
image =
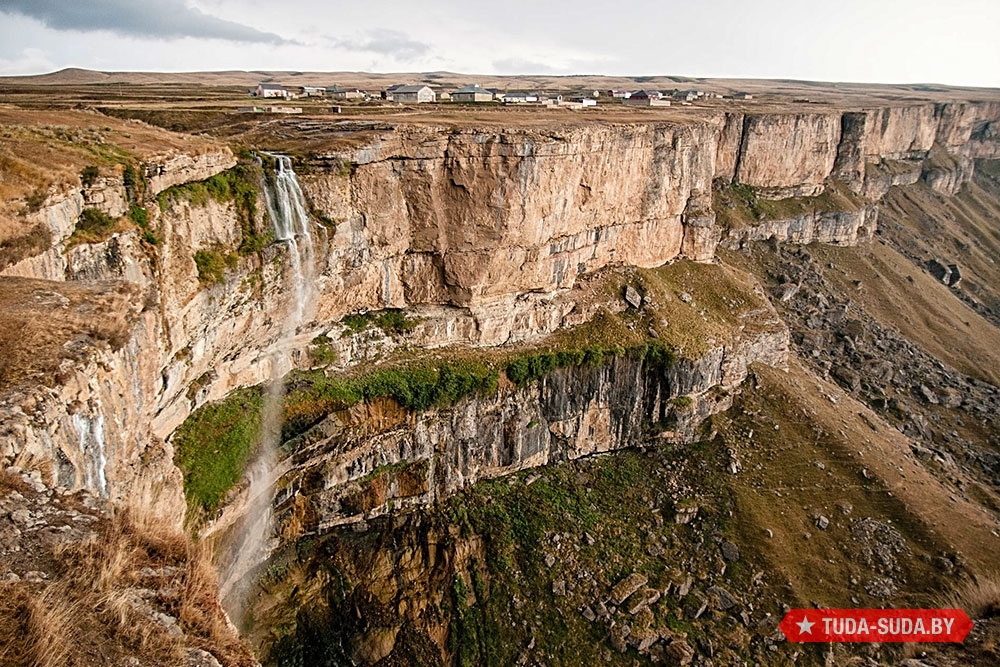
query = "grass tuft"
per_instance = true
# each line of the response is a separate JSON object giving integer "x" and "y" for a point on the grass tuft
{"x": 390, "y": 320}
{"x": 979, "y": 597}
{"x": 212, "y": 264}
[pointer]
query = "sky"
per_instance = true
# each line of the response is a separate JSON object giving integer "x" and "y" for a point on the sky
{"x": 887, "y": 41}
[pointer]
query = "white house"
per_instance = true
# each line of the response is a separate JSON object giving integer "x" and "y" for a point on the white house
{"x": 338, "y": 93}
{"x": 472, "y": 93}
{"x": 271, "y": 90}
{"x": 519, "y": 97}
{"x": 418, "y": 94}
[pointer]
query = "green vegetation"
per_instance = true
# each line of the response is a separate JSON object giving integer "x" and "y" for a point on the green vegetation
{"x": 516, "y": 521}
{"x": 467, "y": 627}
{"x": 342, "y": 168}
{"x": 738, "y": 205}
{"x": 388, "y": 470}
{"x": 418, "y": 387}
{"x": 239, "y": 186}
{"x": 682, "y": 402}
{"x": 89, "y": 175}
{"x": 324, "y": 219}
{"x": 390, "y": 320}
{"x": 140, "y": 216}
{"x": 531, "y": 368}
{"x": 106, "y": 153}
{"x": 135, "y": 184}
{"x": 321, "y": 351}
{"x": 213, "y": 445}
{"x": 93, "y": 226}
{"x": 212, "y": 265}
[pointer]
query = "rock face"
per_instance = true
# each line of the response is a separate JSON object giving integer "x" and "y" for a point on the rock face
{"x": 175, "y": 167}
{"x": 788, "y": 154}
{"x": 480, "y": 215}
{"x": 359, "y": 463}
{"x": 900, "y": 132}
{"x": 835, "y": 228}
{"x": 483, "y": 231}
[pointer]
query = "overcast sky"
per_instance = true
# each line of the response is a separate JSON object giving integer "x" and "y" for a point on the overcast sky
{"x": 892, "y": 41}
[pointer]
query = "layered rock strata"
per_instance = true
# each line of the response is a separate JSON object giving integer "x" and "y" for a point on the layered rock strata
{"x": 365, "y": 461}
{"x": 482, "y": 230}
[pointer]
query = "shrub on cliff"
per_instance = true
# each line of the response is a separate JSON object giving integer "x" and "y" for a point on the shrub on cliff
{"x": 212, "y": 264}
{"x": 93, "y": 226}
{"x": 239, "y": 186}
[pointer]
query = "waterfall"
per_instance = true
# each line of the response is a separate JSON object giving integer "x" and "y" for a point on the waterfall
{"x": 252, "y": 545}
{"x": 91, "y": 434}
{"x": 286, "y": 206}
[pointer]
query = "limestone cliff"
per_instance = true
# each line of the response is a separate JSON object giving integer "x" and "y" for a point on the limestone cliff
{"x": 482, "y": 232}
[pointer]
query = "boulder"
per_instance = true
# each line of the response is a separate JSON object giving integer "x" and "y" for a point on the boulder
{"x": 624, "y": 588}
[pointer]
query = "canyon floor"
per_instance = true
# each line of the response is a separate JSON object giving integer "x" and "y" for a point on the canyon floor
{"x": 512, "y": 434}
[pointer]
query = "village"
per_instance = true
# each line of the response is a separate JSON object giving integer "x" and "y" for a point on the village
{"x": 474, "y": 94}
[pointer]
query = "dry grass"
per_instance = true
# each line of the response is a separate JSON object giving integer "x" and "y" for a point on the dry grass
{"x": 47, "y": 322}
{"x": 35, "y": 629}
{"x": 34, "y": 241}
{"x": 199, "y": 611}
{"x": 960, "y": 229}
{"x": 106, "y": 572}
{"x": 44, "y": 151}
{"x": 105, "y": 599}
{"x": 902, "y": 296}
{"x": 12, "y": 482}
{"x": 979, "y": 597}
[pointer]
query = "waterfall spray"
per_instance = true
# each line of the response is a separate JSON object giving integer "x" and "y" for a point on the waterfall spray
{"x": 290, "y": 223}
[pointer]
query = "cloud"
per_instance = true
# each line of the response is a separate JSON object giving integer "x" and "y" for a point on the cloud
{"x": 166, "y": 19}
{"x": 522, "y": 66}
{"x": 558, "y": 61}
{"x": 29, "y": 61}
{"x": 393, "y": 43}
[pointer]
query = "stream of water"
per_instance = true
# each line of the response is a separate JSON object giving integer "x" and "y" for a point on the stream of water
{"x": 290, "y": 224}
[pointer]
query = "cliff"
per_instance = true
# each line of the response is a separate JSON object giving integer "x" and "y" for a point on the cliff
{"x": 360, "y": 463}
{"x": 482, "y": 232}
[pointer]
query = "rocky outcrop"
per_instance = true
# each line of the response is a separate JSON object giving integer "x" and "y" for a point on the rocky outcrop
{"x": 176, "y": 167}
{"x": 835, "y": 228}
{"x": 788, "y": 154}
{"x": 88, "y": 426}
{"x": 900, "y": 132}
{"x": 58, "y": 217}
{"x": 358, "y": 463}
{"x": 488, "y": 213}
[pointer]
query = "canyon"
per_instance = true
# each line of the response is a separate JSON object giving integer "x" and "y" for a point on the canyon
{"x": 559, "y": 292}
